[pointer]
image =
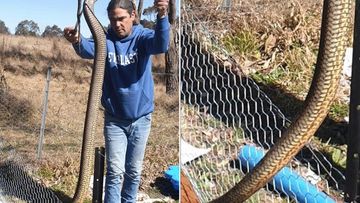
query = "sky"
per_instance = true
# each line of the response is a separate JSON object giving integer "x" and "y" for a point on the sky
{"x": 44, "y": 12}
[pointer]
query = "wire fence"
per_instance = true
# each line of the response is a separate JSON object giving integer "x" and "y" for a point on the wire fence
{"x": 20, "y": 131}
{"x": 52, "y": 177}
{"x": 223, "y": 111}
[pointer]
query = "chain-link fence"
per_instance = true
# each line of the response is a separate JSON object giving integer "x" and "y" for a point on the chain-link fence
{"x": 20, "y": 130}
{"x": 223, "y": 112}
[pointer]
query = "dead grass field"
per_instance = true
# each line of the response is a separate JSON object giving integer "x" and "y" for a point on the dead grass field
{"x": 23, "y": 64}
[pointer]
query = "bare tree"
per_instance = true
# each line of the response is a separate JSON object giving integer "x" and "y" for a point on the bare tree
{"x": 172, "y": 11}
{"x": 171, "y": 56}
{"x": 140, "y": 7}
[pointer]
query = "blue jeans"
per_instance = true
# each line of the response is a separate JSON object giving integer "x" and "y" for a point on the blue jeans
{"x": 125, "y": 143}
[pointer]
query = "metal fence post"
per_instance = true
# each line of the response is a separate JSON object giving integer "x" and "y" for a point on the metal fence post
{"x": 227, "y": 4}
{"x": 43, "y": 117}
{"x": 98, "y": 175}
{"x": 352, "y": 161}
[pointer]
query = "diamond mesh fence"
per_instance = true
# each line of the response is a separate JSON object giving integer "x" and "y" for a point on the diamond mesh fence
{"x": 56, "y": 171}
{"x": 24, "y": 175}
{"x": 223, "y": 111}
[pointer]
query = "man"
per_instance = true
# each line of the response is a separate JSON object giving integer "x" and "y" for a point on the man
{"x": 127, "y": 92}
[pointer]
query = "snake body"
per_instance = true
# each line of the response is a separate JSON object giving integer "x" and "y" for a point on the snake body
{"x": 333, "y": 37}
{"x": 93, "y": 101}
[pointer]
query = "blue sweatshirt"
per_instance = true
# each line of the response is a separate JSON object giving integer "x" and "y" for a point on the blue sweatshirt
{"x": 128, "y": 88}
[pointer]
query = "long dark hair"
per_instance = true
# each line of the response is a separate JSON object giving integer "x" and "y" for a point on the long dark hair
{"x": 128, "y": 5}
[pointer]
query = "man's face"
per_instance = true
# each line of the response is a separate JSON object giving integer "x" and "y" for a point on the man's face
{"x": 121, "y": 21}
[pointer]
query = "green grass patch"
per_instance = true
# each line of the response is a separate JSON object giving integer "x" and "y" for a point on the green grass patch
{"x": 243, "y": 42}
{"x": 270, "y": 78}
{"x": 338, "y": 111}
{"x": 46, "y": 173}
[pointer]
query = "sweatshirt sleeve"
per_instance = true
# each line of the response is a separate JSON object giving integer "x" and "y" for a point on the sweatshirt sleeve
{"x": 85, "y": 48}
{"x": 158, "y": 42}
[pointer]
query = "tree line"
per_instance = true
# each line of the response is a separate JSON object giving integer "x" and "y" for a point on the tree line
{"x": 30, "y": 28}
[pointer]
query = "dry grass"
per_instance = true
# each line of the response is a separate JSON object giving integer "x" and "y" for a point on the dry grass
{"x": 274, "y": 40}
{"x": 24, "y": 63}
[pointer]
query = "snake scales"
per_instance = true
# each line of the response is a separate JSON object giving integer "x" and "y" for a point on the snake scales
{"x": 93, "y": 101}
{"x": 334, "y": 29}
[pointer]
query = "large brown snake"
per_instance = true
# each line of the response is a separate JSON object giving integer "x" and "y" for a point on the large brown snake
{"x": 93, "y": 101}
{"x": 333, "y": 38}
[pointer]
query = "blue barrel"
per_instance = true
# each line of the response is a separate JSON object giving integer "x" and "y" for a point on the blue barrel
{"x": 286, "y": 180}
{"x": 173, "y": 175}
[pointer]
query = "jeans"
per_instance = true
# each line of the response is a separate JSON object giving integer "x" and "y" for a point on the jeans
{"x": 125, "y": 143}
